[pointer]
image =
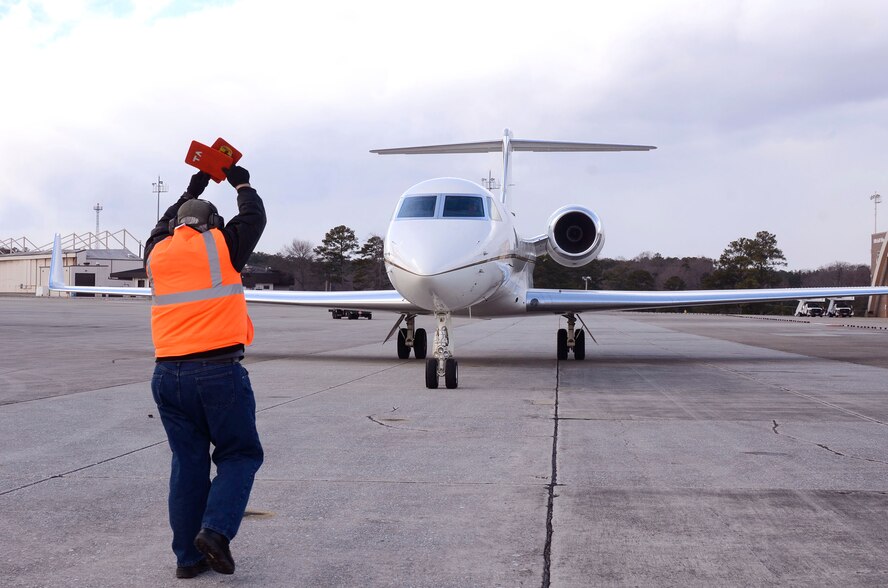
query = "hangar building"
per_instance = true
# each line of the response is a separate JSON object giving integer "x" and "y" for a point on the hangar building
{"x": 88, "y": 260}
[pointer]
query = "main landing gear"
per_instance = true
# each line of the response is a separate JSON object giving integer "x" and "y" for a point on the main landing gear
{"x": 571, "y": 339}
{"x": 411, "y": 338}
{"x": 443, "y": 364}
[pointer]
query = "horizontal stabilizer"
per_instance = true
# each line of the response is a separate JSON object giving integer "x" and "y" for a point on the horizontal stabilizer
{"x": 480, "y": 147}
{"x": 562, "y": 146}
{"x": 516, "y": 144}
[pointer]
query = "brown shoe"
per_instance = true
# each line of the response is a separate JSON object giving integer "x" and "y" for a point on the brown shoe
{"x": 192, "y": 570}
{"x": 215, "y": 547}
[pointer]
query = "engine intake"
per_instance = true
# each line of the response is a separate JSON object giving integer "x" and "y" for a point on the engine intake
{"x": 575, "y": 236}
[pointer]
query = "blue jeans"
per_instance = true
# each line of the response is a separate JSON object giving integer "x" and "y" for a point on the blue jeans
{"x": 203, "y": 403}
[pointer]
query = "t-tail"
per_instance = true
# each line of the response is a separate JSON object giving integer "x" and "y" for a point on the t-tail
{"x": 507, "y": 145}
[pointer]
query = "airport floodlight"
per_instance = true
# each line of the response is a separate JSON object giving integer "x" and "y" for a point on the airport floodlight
{"x": 586, "y": 281}
{"x": 876, "y": 198}
{"x": 158, "y": 188}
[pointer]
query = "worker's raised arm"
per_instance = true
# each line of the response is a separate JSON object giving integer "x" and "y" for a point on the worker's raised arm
{"x": 242, "y": 232}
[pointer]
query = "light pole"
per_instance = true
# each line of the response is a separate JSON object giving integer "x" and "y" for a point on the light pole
{"x": 586, "y": 281}
{"x": 98, "y": 208}
{"x": 876, "y": 198}
{"x": 159, "y": 187}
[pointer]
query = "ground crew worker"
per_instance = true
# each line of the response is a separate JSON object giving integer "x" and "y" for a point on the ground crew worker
{"x": 199, "y": 325}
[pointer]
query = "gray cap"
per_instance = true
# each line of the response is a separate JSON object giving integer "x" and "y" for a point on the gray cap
{"x": 196, "y": 214}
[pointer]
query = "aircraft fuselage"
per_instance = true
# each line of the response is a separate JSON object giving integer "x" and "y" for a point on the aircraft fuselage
{"x": 452, "y": 247}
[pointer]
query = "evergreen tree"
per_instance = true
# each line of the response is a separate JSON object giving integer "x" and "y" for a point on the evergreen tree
{"x": 335, "y": 253}
{"x": 371, "y": 265}
{"x": 674, "y": 283}
{"x": 749, "y": 263}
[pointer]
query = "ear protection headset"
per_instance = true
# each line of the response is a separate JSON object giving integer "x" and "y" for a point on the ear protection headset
{"x": 196, "y": 210}
{"x": 215, "y": 220}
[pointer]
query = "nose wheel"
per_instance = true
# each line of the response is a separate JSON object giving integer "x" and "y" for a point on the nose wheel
{"x": 451, "y": 373}
{"x": 443, "y": 364}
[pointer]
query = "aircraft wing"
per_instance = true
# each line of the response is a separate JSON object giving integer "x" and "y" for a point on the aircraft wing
{"x": 561, "y": 301}
{"x": 380, "y": 300}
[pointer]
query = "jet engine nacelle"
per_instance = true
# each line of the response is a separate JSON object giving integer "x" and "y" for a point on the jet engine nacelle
{"x": 575, "y": 236}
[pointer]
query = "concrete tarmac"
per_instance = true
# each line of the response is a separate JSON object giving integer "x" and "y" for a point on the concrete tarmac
{"x": 685, "y": 450}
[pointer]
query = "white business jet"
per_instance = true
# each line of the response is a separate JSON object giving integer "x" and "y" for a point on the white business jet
{"x": 451, "y": 248}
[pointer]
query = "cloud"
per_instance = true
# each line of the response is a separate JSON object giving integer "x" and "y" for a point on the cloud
{"x": 766, "y": 116}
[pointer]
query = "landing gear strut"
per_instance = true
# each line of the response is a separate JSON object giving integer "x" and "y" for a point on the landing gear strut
{"x": 442, "y": 364}
{"x": 571, "y": 339}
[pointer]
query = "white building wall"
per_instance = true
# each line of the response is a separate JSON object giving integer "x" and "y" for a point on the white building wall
{"x": 26, "y": 274}
{"x": 21, "y": 274}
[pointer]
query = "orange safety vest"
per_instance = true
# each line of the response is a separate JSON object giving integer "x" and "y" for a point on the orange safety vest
{"x": 199, "y": 302}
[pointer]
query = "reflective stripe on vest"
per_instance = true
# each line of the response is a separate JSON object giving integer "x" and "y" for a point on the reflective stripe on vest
{"x": 195, "y": 295}
{"x": 217, "y": 290}
{"x": 213, "y": 256}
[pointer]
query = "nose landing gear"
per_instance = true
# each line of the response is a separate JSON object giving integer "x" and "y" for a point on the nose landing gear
{"x": 443, "y": 364}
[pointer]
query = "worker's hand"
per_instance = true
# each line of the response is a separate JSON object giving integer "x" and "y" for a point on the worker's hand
{"x": 198, "y": 182}
{"x": 237, "y": 176}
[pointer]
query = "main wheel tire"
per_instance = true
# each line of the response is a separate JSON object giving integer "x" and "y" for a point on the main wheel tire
{"x": 561, "y": 346}
{"x": 451, "y": 373}
{"x": 580, "y": 344}
{"x": 420, "y": 343}
{"x": 403, "y": 350}
{"x": 431, "y": 373}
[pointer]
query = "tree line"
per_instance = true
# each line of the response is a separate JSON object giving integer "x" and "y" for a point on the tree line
{"x": 342, "y": 262}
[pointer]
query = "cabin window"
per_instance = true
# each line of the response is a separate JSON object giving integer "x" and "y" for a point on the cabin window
{"x": 463, "y": 207}
{"x": 494, "y": 211}
{"x": 418, "y": 207}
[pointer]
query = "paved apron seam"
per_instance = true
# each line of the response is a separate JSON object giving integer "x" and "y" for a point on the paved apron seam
{"x": 550, "y": 508}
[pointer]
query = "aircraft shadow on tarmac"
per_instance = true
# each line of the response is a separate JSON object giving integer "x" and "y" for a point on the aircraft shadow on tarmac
{"x": 497, "y": 361}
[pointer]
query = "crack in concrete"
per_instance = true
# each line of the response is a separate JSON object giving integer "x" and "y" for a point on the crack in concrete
{"x": 388, "y": 426}
{"x": 776, "y": 425}
{"x": 553, "y": 482}
{"x": 333, "y": 387}
{"x": 80, "y": 469}
{"x": 112, "y": 458}
{"x": 797, "y": 393}
{"x": 772, "y": 385}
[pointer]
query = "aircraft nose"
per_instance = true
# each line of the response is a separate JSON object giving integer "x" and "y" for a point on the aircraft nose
{"x": 429, "y": 248}
{"x": 444, "y": 273}
{"x": 426, "y": 262}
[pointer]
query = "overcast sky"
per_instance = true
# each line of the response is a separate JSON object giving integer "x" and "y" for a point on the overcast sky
{"x": 767, "y": 115}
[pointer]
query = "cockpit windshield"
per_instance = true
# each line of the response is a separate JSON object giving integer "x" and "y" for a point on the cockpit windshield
{"x": 443, "y": 206}
{"x": 463, "y": 207}
{"x": 418, "y": 207}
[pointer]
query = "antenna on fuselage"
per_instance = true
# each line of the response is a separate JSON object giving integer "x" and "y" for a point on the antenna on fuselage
{"x": 490, "y": 182}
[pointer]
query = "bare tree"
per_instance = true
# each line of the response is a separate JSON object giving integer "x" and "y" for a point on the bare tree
{"x": 301, "y": 257}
